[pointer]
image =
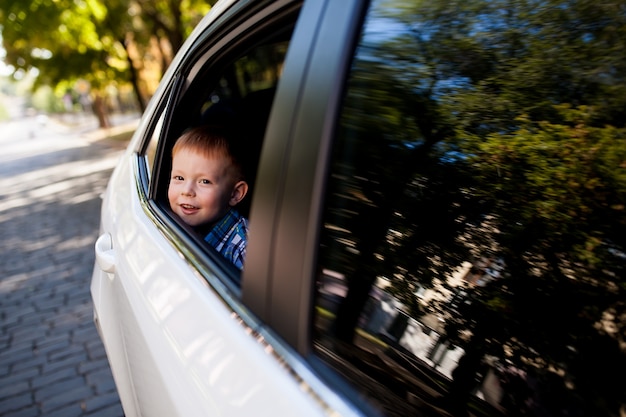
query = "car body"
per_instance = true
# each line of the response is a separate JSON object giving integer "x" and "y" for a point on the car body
{"x": 395, "y": 263}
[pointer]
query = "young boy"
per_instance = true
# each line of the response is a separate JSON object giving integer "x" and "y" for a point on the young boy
{"x": 206, "y": 184}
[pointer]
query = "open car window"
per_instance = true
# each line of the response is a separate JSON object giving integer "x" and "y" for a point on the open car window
{"x": 232, "y": 86}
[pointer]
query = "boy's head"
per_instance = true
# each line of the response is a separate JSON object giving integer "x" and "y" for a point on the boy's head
{"x": 207, "y": 178}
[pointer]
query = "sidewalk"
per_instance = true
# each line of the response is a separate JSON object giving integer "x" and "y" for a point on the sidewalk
{"x": 52, "y": 360}
{"x": 122, "y": 126}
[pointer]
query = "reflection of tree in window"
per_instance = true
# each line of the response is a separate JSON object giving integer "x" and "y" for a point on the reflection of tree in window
{"x": 489, "y": 133}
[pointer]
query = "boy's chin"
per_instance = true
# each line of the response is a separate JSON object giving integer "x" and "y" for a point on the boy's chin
{"x": 191, "y": 221}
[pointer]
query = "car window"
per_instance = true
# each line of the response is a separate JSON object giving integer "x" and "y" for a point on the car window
{"x": 151, "y": 148}
{"x": 472, "y": 251}
{"x": 232, "y": 86}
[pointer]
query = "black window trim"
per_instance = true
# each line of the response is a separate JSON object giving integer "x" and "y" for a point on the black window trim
{"x": 294, "y": 260}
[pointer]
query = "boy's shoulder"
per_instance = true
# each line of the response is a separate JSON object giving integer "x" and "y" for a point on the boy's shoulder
{"x": 227, "y": 228}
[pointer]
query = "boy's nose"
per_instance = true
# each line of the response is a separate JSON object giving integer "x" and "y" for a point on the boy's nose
{"x": 188, "y": 189}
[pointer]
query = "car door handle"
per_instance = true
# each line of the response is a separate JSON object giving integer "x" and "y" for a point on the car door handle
{"x": 105, "y": 256}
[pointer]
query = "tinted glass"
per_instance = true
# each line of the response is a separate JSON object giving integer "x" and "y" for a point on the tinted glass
{"x": 473, "y": 251}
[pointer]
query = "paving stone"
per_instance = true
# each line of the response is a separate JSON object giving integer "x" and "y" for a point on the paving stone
{"x": 101, "y": 402}
{"x": 73, "y": 351}
{"x": 16, "y": 388}
{"x": 36, "y": 362}
{"x": 29, "y": 411}
{"x": 114, "y": 410}
{"x": 69, "y": 400}
{"x": 70, "y": 362}
{"x": 72, "y": 410}
{"x": 104, "y": 384}
{"x": 96, "y": 352}
{"x": 23, "y": 352}
{"x": 93, "y": 365}
{"x": 15, "y": 403}
{"x": 50, "y": 344}
{"x": 24, "y": 375}
{"x": 54, "y": 377}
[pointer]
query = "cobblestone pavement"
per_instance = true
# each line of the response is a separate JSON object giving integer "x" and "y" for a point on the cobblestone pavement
{"x": 52, "y": 362}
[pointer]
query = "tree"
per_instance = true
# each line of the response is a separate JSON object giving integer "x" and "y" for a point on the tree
{"x": 103, "y": 43}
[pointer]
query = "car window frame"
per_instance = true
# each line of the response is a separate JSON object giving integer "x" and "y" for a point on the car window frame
{"x": 229, "y": 33}
{"x": 311, "y": 112}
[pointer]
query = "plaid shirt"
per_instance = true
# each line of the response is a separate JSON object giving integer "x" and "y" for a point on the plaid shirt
{"x": 229, "y": 237}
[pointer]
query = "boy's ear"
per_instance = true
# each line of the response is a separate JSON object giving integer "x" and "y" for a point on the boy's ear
{"x": 240, "y": 190}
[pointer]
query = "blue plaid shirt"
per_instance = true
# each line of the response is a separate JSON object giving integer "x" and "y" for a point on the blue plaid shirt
{"x": 229, "y": 237}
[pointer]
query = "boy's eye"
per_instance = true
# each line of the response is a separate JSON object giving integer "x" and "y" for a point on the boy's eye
{"x": 178, "y": 177}
{"x": 205, "y": 181}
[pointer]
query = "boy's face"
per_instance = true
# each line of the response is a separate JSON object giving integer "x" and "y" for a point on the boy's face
{"x": 201, "y": 188}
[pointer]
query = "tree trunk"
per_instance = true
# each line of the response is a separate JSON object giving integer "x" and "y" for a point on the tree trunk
{"x": 134, "y": 77}
{"x": 100, "y": 110}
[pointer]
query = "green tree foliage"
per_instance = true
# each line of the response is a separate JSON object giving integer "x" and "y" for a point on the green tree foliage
{"x": 104, "y": 43}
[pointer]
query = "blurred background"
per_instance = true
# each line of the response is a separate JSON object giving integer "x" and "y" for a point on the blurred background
{"x": 69, "y": 57}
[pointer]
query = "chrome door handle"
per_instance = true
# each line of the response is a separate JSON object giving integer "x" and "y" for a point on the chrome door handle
{"x": 105, "y": 256}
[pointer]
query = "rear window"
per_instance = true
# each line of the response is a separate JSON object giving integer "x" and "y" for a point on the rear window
{"x": 473, "y": 248}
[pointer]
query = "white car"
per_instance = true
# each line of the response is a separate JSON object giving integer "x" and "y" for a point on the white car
{"x": 417, "y": 244}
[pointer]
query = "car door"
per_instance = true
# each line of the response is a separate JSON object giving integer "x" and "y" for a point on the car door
{"x": 183, "y": 335}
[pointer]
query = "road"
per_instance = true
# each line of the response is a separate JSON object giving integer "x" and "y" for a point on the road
{"x": 52, "y": 362}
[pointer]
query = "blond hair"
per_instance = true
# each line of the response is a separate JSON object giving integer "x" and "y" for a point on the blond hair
{"x": 212, "y": 142}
